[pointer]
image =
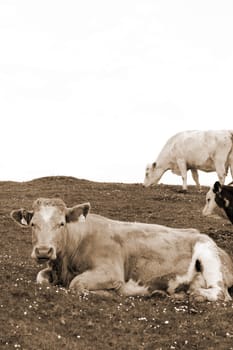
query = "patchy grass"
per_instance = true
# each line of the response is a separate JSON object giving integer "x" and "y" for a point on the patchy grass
{"x": 49, "y": 318}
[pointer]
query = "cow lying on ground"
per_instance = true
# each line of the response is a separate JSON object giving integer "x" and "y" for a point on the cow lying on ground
{"x": 203, "y": 150}
{"x": 90, "y": 252}
{"x": 222, "y": 196}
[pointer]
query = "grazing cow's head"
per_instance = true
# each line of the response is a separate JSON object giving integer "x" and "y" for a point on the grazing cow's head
{"x": 210, "y": 203}
{"x": 219, "y": 197}
{"x": 222, "y": 196}
{"x": 153, "y": 174}
{"x": 48, "y": 221}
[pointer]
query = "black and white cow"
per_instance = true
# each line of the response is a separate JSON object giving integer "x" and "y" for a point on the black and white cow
{"x": 222, "y": 196}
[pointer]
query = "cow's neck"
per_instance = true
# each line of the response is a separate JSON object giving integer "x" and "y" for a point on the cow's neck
{"x": 164, "y": 162}
{"x": 69, "y": 262}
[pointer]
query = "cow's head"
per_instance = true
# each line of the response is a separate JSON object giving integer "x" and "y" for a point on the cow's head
{"x": 153, "y": 174}
{"x": 219, "y": 198}
{"x": 48, "y": 221}
{"x": 210, "y": 204}
{"x": 224, "y": 198}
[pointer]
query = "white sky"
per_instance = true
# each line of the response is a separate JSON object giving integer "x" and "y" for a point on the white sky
{"x": 93, "y": 89}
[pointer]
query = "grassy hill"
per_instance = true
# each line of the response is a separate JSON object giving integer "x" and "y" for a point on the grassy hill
{"x": 39, "y": 317}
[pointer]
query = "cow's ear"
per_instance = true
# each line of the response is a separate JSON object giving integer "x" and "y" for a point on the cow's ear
{"x": 77, "y": 213}
{"x": 22, "y": 216}
{"x": 217, "y": 187}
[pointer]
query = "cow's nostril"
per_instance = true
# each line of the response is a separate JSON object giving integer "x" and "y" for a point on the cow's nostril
{"x": 37, "y": 252}
{"x": 50, "y": 252}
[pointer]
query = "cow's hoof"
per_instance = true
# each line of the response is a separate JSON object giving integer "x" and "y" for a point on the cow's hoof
{"x": 179, "y": 296}
{"x": 196, "y": 297}
{"x": 159, "y": 293}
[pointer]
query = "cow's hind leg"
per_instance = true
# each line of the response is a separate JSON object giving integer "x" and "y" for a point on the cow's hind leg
{"x": 204, "y": 278}
{"x": 196, "y": 177}
{"x": 210, "y": 284}
{"x": 221, "y": 169}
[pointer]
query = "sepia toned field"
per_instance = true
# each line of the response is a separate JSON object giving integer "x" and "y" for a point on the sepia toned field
{"x": 48, "y": 318}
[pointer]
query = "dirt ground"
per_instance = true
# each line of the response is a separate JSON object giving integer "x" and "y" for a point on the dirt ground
{"x": 49, "y": 318}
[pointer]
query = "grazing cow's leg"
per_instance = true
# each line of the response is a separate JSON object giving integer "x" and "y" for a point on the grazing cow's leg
{"x": 44, "y": 276}
{"x": 221, "y": 178}
{"x": 96, "y": 279}
{"x": 183, "y": 170}
{"x": 196, "y": 177}
{"x": 221, "y": 170}
{"x": 231, "y": 166}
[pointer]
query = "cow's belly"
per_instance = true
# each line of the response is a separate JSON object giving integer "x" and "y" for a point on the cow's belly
{"x": 147, "y": 270}
{"x": 206, "y": 165}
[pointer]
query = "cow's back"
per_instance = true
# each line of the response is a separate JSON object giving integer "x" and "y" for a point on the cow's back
{"x": 198, "y": 148}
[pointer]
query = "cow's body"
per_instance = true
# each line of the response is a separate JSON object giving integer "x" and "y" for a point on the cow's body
{"x": 204, "y": 150}
{"x": 221, "y": 196}
{"x": 90, "y": 252}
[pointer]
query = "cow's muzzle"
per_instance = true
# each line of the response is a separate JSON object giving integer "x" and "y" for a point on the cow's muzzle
{"x": 43, "y": 254}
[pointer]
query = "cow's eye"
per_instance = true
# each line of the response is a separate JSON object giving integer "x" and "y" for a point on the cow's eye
{"x": 62, "y": 224}
{"x": 32, "y": 224}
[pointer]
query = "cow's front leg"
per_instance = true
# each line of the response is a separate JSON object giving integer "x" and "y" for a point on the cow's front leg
{"x": 183, "y": 170}
{"x": 44, "y": 276}
{"x": 97, "y": 279}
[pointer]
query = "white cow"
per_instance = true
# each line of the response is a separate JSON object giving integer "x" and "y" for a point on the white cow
{"x": 89, "y": 252}
{"x": 204, "y": 150}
